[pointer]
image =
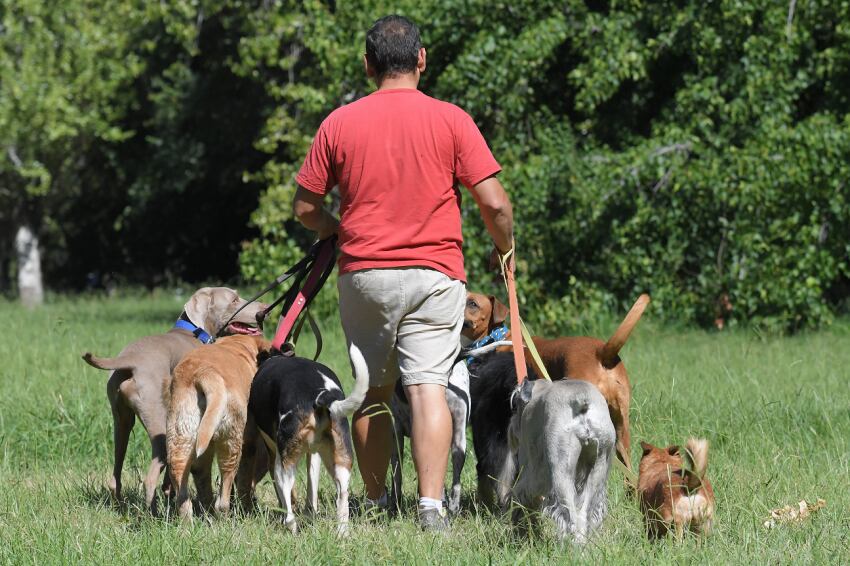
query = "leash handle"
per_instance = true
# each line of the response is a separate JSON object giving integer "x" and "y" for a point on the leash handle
{"x": 321, "y": 268}
{"x": 516, "y": 335}
{"x": 519, "y": 332}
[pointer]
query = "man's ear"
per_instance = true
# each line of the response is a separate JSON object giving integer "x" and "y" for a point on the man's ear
{"x": 499, "y": 312}
{"x": 422, "y": 60}
{"x": 198, "y": 306}
{"x": 370, "y": 72}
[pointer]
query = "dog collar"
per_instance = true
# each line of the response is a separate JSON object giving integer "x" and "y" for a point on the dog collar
{"x": 183, "y": 323}
{"x": 498, "y": 333}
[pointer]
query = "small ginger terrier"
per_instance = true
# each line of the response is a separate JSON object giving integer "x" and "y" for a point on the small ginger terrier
{"x": 674, "y": 489}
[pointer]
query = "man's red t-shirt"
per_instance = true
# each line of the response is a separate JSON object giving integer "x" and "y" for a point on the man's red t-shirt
{"x": 397, "y": 156}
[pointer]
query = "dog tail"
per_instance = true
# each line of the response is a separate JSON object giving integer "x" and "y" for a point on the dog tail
{"x": 214, "y": 391}
{"x": 695, "y": 461}
{"x": 608, "y": 353}
{"x": 108, "y": 363}
{"x": 347, "y": 406}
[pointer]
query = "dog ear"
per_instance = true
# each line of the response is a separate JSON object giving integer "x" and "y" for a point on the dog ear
{"x": 499, "y": 311}
{"x": 521, "y": 395}
{"x": 263, "y": 355}
{"x": 525, "y": 391}
{"x": 673, "y": 450}
{"x": 198, "y": 307}
{"x": 646, "y": 447}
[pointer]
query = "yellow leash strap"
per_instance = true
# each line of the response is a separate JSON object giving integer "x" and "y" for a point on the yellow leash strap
{"x": 519, "y": 332}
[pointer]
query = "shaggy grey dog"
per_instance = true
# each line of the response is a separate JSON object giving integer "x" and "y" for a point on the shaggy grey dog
{"x": 562, "y": 441}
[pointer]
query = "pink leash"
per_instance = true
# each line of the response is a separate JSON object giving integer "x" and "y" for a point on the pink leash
{"x": 314, "y": 281}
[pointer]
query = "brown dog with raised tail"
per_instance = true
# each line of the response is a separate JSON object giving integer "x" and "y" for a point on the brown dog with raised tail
{"x": 207, "y": 416}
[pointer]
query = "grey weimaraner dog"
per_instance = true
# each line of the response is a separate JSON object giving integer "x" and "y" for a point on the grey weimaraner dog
{"x": 141, "y": 373}
{"x": 562, "y": 441}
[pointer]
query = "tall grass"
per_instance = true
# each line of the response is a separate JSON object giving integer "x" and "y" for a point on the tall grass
{"x": 775, "y": 409}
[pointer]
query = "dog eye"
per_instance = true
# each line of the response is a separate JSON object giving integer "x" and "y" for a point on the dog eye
{"x": 472, "y": 304}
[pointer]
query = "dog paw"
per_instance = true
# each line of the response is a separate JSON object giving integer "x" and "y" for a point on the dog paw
{"x": 342, "y": 530}
{"x": 292, "y": 525}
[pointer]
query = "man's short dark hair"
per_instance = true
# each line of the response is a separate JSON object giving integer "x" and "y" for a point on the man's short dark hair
{"x": 392, "y": 46}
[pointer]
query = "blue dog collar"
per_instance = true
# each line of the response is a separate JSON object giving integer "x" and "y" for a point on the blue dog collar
{"x": 198, "y": 332}
{"x": 498, "y": 333}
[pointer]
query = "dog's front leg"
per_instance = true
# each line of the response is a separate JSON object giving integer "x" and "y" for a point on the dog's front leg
{"x": 284, "y": 481}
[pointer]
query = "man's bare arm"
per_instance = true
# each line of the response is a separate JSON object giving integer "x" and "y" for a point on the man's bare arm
{"x": 307, "y": 208}
{"x": 496, "y": 210}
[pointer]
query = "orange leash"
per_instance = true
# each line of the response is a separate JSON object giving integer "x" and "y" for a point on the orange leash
{"x": 518, "y": 330}
{"x": 513, "y": 306}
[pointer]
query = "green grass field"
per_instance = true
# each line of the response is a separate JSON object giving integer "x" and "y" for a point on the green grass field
{"x": 775, "y": 409}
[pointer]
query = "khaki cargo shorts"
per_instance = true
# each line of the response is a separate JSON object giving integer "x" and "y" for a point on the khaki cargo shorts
{"x": 406, "y": 321}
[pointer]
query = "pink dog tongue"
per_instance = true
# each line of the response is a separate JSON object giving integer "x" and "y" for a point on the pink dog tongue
{"x": 241, "y": 328}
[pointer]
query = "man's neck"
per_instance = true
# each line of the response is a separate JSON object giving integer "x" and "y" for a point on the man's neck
{"x": 409, "y": 80}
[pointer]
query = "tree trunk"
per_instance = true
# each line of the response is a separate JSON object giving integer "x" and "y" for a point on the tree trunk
{"x": 29, "y": 267}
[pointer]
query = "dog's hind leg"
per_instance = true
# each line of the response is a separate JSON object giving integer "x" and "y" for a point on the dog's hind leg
{"x": 314, "y": 467}
{"x": 202, "y": 474}
{"x": 339, "y": 463}
{"x": 563, "y": 505}
{"x": 623, "y": 447}
{"x": 179, "y": 465}
{"x": 155, "y": 469}
{"x": 594, "y": 497}
{"x": 458, "y": 460}
{"x": 341, "y": 473}
{"x": 229, "y": 452}
{"x": 284, "y": 481}
{"x": 245, "y": 476}
{"x": 123, "y": 420}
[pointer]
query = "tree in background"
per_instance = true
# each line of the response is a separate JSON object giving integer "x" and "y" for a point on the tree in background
{"x": 63, "y": 67}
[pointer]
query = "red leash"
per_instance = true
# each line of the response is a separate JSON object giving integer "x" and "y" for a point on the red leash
{"x": 318, "y": 272}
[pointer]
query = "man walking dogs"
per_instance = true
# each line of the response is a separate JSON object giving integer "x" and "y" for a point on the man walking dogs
{"x": 398, "y": 156}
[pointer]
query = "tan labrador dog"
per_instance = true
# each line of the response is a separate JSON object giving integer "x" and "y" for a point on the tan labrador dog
{"x": 207, "y": 416}
{"x": 141, "y": 374}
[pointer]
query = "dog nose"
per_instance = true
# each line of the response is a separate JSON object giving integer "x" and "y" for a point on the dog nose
{"x": 261, "y": 314}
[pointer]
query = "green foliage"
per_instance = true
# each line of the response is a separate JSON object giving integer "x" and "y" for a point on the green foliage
{"x": 696, "y": 151}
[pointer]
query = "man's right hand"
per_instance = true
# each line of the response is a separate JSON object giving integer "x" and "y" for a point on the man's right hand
{"x": 496, "y": 260}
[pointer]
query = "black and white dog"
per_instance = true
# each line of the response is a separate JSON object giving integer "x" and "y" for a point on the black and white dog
{"x": 457, "y": 398}
{"x": 300, "y": 409}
